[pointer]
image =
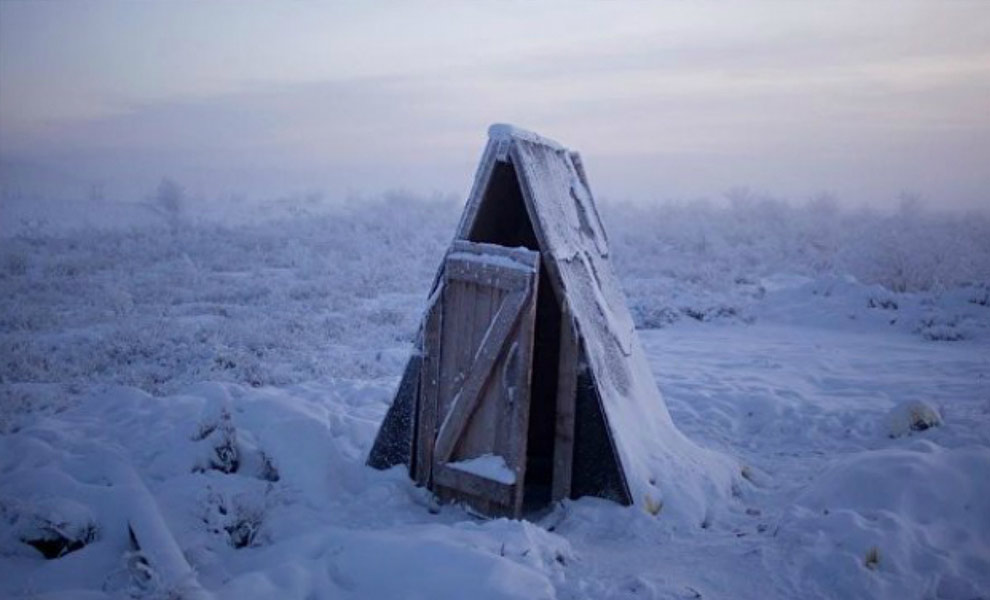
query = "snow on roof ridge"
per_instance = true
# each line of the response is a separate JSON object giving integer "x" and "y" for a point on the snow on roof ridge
{"x": 507, "y": 132}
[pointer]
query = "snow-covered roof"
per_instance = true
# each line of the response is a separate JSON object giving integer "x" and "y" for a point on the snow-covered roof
{"x": 499, "y": 132}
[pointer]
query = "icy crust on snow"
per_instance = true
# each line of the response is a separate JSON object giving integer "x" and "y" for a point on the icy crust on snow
{"x": 489, "y": 466}
{"x": 664, "y": 470}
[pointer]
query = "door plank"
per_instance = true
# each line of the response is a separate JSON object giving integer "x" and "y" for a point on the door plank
{"x": 497, "y": 275}
{"x": 520, "y": 375}
{"x": 480, "y": 487}
{"x": 426, "y": 421}
{"x": 478, "y": 436}
{"x": 563, "y": 449}
{"x": 451, "y": 339}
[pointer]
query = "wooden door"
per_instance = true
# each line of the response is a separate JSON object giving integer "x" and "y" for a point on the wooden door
{"x": 475, "y": 381}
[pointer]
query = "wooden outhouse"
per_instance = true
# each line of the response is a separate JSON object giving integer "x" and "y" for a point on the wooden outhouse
{"x": 528, "y": 383}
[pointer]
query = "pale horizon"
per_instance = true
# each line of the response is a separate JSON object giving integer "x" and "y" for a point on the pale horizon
{"x": 678, "y": 102}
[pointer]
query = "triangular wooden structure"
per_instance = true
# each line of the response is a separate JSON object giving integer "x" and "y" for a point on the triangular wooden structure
{"x": 528, "y": 383}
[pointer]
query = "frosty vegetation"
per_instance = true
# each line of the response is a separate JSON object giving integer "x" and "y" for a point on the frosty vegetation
{"x": 300, "y": 288}
{"x": 189, "y": 390}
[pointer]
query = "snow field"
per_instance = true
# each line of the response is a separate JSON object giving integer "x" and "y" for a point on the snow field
{"x": 809, "y": 410}
{"x": 218, "y": 388}
{"x": 316, "y": 521}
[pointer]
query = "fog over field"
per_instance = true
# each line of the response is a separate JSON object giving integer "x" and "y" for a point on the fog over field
{"x": 292, "y": 268}
{"x": 666, "y": 102}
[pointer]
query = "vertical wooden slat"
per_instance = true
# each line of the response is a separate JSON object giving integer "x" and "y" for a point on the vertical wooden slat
{"x": 519, "y": 421}
{"x": 563, "y": 448}
{"x": 467, "y": 340}
{"x": 428, "y": 388}
{"x": 453, "y": 318}
{"x": 461, "y": 339}
{"x": 479, "y": 436}
{"x": 503, "y": 413}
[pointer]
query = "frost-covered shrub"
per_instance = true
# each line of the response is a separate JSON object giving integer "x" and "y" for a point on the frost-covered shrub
{"x": 883, "y": 302}
{"x": 52, "y": 526}
{"x": 711, "y": 245}
{"x": 652, "y": 317}
{"x": 221, "y": 436}
{"x": 308, "y": 289}
{"x": 915, "y": 251}
{"x": 981, "y": 295}
{"x": 297, "y": 297}
{"x": 940, "y": 328}
{"x": 911, "y": 416}
{"x": 238, "y": 519}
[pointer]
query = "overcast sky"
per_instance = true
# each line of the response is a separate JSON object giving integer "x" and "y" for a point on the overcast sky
{"x": 665, "y": 101}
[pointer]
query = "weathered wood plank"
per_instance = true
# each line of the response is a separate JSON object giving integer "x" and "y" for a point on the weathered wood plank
{"x": 457, "y": 344}
{"x": 451, "y": 340}
{"x": 495, "y": 394}
{"x": 478, "y": 436}
{"x": 567, "y": 372}
{"x": 466, "y": 399}
{"x": 462, "y": 482}
{"x": 465, "y": 340}
{"x": 487, "y": 274}
{"x": 428, "y": 387}
{"x": 517, "y": 380}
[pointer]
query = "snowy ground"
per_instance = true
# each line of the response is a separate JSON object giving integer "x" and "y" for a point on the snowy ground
{"x": 220, "y": 388}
